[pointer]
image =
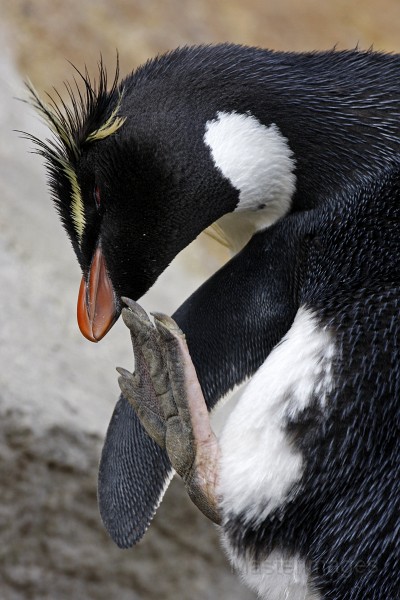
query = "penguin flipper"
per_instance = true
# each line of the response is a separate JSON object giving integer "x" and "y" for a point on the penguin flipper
{"x": 134, "y": 474}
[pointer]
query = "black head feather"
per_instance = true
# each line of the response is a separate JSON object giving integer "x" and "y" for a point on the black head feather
{"x": 87, "y": 115}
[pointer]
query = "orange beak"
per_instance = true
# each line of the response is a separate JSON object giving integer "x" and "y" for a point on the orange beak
{"x": 97, "y": 309}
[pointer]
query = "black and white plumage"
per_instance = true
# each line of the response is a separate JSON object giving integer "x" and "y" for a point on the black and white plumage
{"x": 288, "y": 150}
{"x": 319, "y": 421}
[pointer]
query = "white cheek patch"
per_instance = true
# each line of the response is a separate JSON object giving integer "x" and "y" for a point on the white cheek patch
{"x": 259, "y": 465}
{"x": 256, "y": 159}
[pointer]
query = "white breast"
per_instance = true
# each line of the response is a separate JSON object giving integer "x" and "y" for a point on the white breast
{"x": 259, "y": 465}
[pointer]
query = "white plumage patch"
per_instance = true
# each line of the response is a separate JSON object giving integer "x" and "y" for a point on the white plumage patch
{"x": 258, "y": 465}
{"x": 259, "y": 163}
{"x": 277, "y": 577}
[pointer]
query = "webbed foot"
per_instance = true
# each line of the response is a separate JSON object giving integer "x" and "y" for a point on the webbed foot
{"x": 166, "y": 395}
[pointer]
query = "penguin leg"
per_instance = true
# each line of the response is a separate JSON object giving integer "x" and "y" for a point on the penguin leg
{"x": 167, "y": 397}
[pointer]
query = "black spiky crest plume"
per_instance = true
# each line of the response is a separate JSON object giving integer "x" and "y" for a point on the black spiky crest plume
{"x": 89, "y": 116}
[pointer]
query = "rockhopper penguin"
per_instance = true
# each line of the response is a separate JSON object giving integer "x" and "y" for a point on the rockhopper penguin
{"x": 294, "y": 156}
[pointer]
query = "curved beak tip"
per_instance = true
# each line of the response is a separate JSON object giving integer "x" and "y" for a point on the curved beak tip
{"x": 97, "y": 308}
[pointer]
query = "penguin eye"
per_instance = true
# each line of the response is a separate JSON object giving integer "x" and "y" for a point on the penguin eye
{"x": 96, "y": 196}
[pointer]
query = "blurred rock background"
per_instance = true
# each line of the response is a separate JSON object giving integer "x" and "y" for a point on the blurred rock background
{"x": 57, "y": 391}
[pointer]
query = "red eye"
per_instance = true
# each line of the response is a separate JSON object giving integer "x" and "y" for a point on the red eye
{"x": 96, "y": 196}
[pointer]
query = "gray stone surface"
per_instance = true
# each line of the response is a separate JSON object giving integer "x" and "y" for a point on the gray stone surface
{"x": 57, "y": 392}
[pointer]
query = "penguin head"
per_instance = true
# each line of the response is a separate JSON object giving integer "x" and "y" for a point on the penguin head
{"x": 137, "y": 171}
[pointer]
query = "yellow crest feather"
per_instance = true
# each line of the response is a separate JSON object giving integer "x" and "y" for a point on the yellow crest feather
{"x": 69, "y": 123}
{"x": 77, "y": 210}
{"x": 112, "y": 125}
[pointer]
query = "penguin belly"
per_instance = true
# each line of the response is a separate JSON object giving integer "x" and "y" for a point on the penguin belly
{"x": 260, "y": 468}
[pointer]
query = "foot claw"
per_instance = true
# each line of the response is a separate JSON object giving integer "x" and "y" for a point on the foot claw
{"x": 133, "y": 319}
{"x": 140, "y": 327}
{"x": 124, "y": 372}
{"x": 166, "y": 326}
{"x": 128, "y": 383}
{"x": 129, "y": 391}
{"x": 132, "y": 305}
{"x": 135, "y": 308}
